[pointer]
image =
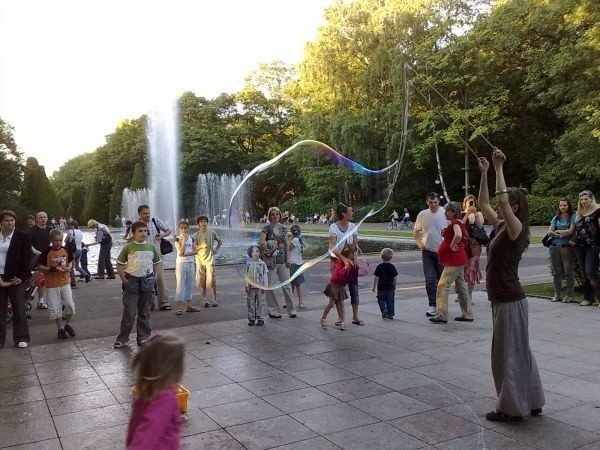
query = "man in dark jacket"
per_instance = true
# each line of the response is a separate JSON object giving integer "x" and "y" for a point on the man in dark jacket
{"x": 15, "y": 259}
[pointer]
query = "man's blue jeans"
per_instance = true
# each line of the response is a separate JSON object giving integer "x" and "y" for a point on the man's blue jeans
{"x": 432, "y": 270}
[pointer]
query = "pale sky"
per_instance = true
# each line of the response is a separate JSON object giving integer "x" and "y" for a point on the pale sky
{"x": 71, "y": 70}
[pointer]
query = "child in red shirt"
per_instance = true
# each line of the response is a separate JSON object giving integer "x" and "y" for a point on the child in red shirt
{"x": 336, "y": 290}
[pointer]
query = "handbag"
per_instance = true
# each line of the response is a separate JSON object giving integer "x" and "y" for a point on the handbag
{"x": 165, "y": 246}
{"x": 363, "y": 265}
{"x": 547, "y": 241}
{"x": 479, "y": 234}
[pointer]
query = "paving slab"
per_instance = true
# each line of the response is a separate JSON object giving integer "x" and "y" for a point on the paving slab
{"x": 292, "y": 385}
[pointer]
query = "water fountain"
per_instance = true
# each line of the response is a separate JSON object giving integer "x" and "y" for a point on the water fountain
{"x": 163, "y": 175}
{"x": 132, "y": 198}
{"x": 213, "y": 194}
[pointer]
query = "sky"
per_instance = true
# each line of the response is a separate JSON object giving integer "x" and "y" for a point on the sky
{"x": 71, "y": 70}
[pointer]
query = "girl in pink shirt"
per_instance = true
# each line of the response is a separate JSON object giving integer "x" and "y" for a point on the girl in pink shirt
{"x": 155, "y": 417}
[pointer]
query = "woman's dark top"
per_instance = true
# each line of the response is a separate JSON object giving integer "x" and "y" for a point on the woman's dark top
{"x": 502, "y": 271}
{"x": 18, "y": 257}
{"x": 587, "y": 229}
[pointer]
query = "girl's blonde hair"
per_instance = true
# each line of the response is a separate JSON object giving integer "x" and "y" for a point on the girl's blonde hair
{"x": 593, "y": 204}
{"x": 158, "y": 365}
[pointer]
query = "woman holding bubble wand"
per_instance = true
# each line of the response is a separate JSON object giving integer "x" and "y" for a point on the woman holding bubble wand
{"x": 514, "y": 369}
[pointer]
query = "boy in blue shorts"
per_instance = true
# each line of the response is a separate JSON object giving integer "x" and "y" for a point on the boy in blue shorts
{"x": 138, "y": 265}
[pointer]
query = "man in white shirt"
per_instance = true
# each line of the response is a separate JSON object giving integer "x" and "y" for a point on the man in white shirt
{"x": 428, "y": 235}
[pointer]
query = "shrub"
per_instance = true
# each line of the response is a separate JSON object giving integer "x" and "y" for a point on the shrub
{"x": 541, "y": 209}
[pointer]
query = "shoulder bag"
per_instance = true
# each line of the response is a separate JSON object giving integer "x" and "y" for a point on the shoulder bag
{"x": 165, "y": 246}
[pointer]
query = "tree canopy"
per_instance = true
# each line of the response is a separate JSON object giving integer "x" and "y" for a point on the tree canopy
{"x": 522, "y": 75}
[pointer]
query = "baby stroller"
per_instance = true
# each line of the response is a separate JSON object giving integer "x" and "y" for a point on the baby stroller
{"x": 31, "y": 287}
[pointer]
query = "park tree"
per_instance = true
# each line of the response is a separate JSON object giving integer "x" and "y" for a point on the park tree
{"x": 138, "y": 179}
{"x": 71, "y": 182}
{"x": 96, "y": 204}
{"x": 11, "y": 168}
{"x": 37, "y": 193}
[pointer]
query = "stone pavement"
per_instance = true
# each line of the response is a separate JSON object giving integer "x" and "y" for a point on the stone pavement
{"x": 402, "y": 384}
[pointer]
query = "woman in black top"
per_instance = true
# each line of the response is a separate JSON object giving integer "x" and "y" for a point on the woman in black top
{"x": 514, "y": 369}
{"x": 587, "y": 245}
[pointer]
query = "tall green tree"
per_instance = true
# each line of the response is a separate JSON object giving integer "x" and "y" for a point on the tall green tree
{"x": 11, "y": 167}
{"x": 37, "y": 193}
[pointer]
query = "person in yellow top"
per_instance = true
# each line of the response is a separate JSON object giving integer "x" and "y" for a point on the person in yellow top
{"x": 205, "y": 260}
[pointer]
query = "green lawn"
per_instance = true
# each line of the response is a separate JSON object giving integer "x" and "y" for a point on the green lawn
{"x": 546, "y": 290}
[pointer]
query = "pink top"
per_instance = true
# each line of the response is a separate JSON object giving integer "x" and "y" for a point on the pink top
{"x": 155, "y": 425}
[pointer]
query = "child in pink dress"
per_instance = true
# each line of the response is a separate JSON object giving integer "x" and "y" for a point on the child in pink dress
{"x": 155, "y": 421}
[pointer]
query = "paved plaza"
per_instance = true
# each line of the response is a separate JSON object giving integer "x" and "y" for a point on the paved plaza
{"x": 402, "y": 384}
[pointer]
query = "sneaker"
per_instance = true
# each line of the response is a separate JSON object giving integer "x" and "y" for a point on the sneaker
{"x": 111, "y": 278}
{"x": 301, "y": 305}
{"x": 118, "y": 344}
{"x": 260, "y": 323}
{"x": 390, "y": 317}
{"x": 215, "y": 303}
{"x": 62, "y": 334}
{"x": 585, "y": 303}
{"x": 22, "y": 344}
{"x": 250, "y": 322}
{"x": 431, "y": 311}
{"x": 69, "y": 330}
{"x": 567, "y": 299}
{"x": 142, "y": 342}
{"x": 556, "y": 298}
{"x": 42, "y": 305}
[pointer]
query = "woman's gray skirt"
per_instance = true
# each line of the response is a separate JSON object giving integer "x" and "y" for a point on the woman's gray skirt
{"x": 514, "y": 369}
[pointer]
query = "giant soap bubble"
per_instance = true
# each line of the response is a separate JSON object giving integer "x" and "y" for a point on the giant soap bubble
{"x": 317, "y": 174}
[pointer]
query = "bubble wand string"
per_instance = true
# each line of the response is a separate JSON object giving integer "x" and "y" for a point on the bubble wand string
{"x": 448, "y": 102}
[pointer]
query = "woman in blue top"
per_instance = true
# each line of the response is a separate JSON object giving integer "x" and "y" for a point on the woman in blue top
{"x": 562, "y": 227}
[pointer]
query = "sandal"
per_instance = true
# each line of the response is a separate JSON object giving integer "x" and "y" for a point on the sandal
{"x": 342, "y": 326}
{"x": 192, "y": 309}
{"x": 323, "y": 323}
{"x": 358, "y": 322}
{"x": 496, "y": 416}
{"x": 462, "y": 319}
{"x": 118, "y": 344}
{"x": 179, "y": 311}
{"x": 338, "y": 323}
